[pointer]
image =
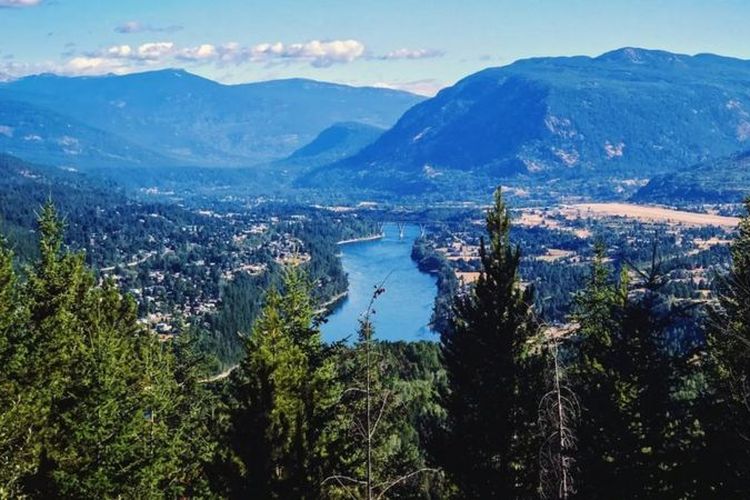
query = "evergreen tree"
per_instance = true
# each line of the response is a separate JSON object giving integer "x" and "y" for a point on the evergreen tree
{"x": 93, "y": 395}
{"x": 634, "y": 432}
{"x": 18, "y": 405}
{"x": 495, "y": 376}
{"x": 727, "y": 405}
{"x": 282, "y": 396}
{"x": 597, "y": 312}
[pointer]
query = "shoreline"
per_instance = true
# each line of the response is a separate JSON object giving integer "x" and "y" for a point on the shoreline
{"x": 325, "y": 306}
{"x": 363, "y": 238}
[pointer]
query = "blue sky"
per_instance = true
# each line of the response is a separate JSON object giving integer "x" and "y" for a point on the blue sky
{"x": 420, "y": 45}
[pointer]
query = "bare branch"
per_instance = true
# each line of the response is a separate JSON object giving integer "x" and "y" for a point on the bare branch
{"x": 403, "y": 478}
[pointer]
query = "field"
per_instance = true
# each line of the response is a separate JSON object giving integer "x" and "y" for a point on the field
{"x": 647, "y": 213}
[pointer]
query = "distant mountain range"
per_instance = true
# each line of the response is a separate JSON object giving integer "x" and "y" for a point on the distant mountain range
{"x": 629, "y": 115}
{"x": 172, "y": 117}
{"x": 630, "y": 112}
{"x": 726, "y": 180}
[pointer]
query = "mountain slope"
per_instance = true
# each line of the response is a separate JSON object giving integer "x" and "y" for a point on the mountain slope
{"x": 726, "y": 180}
{"x": 198, "y": 121}
{"x": 40, "y": 135}
{"x": 336, "y": 142}
{"x": 25, "y": 187}
{"x": 628, "y": 112}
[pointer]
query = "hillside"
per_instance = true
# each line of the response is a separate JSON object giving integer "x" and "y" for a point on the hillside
{"x": 726, "y": 180}
{"x": 626, "y": 112}
{"x": 25, "y": 187}
{"x": 39, "y": 135}
{"x": 193, "y": 120}
{"x": 336, "y": 142}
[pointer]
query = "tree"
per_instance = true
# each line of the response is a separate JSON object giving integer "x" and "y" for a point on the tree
{"x": 495, "y": 376}
{"x": 634, "y": 433}
{"x": 375, "y": 459}
{"x": 558, "y": 415}
{"x": 727, "y": 408}
{"x": 282, "y": 396}
{"x": 597, "y": 314}
{"x": 92, "y": 392}
{"x": 18, "y": 406}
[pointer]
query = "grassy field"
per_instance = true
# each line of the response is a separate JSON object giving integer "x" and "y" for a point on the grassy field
{"x": 648, "y": 214}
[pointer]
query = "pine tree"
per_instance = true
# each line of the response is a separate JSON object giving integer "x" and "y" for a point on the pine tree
{"x": 18, "y": 406}
{"x": 558, "y": 415}
{"x": 194, "y": 412}
{"x": 598, "y": 314}
{"x": 634, "y": 431}
{"x": 283, "y": 395}
{"x": 495, "y": 376}
{"x": 93, "y": 393}
{"x": 727, "y": 406}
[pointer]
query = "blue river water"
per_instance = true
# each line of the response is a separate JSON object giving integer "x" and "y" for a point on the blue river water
{"x": 403, "y": 311}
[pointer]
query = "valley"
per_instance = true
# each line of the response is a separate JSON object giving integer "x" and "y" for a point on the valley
{"x": 259, "y": 276}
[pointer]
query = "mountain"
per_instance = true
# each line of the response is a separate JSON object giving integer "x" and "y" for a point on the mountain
{"x": 726, "y": 180}
{"x": 627, "y": 112}
{"x": 192, "y": 120}
{"x": 44, "y": 136}
{"x": 338, "y": 141}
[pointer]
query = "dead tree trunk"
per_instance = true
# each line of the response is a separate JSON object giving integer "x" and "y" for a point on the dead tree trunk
{"x": 558, "y": 413}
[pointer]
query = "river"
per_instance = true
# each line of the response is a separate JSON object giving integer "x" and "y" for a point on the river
{"x": 403, "y": 311}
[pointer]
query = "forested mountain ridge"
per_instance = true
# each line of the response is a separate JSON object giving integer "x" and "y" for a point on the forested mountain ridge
{"x": 24, "y": 187}
{"x": 723, "y": 180}
{"x": 631, "y": 111}
{"x": 336, "y": 142}
{"x": 192, "y": 120}
{"x": 35, "y": 133}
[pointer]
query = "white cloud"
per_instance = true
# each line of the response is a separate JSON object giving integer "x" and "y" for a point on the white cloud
{"x": 84, "y": 65}
{"x": 315, "y": 52}
{"x": 118, "y": 59}
{"x": 427, "y": 87}
{"x": 154, "y": 51}
{"x": 128, "y": 58}
{"x": 119, "y": 51}
{"x": 202, "y": 52}
{"x": 130, "y": 27}
{"x": 19, "y": 3}
{"x": 411, "y": 54}
{"x": 318, "y": 53}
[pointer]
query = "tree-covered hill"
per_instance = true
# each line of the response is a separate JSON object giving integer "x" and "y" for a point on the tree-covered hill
{"x": 726, "y": 180}
{"x": 336, "y": 142}
{"x": 38, "y": 134}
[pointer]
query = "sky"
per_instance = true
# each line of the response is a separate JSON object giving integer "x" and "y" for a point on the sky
{"x": 415, "y": 45}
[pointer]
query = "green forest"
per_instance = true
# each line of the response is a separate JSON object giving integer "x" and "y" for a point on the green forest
{"x": 93, "y": 404}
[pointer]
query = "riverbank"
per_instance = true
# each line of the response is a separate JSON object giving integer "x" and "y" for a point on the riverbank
{"x": 330, "y": 302}
{"x": 363, "y": 238}
{"x": 219, "y": 376}
{"x": 403, "y": 311}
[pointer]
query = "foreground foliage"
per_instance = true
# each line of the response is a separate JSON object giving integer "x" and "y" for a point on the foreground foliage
{"x": 93, "y": 405}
